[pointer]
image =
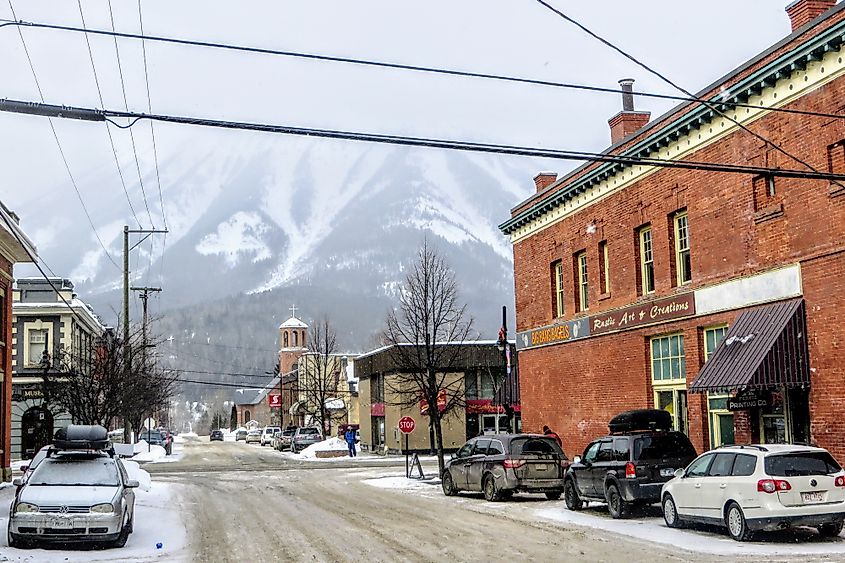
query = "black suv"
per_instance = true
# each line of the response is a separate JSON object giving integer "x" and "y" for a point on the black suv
{"x": 629, "y": 466}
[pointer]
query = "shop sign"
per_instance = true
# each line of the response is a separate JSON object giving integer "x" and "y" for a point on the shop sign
{"x": 554, "y": 334}
{"x": 377, "y": 409}
{"x": 441, "y": 403}
{"x": 749, "y": 400}
{"x": 658, "y": 311}
{"x": 27, "y": 393}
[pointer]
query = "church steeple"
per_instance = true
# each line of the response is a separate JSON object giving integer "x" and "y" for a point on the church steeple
{"x": 292, "y": 341}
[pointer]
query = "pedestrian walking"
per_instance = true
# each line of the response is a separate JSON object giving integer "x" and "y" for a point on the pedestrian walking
{"x": 553, "y": 435}
{"x": 350, "y": 441}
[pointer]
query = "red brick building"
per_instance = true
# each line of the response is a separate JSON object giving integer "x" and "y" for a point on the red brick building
{"x": 14, "y": 247}
{"x": 629, "y": 277}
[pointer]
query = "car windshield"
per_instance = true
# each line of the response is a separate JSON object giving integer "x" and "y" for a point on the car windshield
{"x": 151, "y": 436}
{"x": 91, "y": 471}
{"x": 288, "y": 432}
{"x": 661, "y": 446}
{"x": 802, "y": 463}
{"x": 535, "y": 446}
{"x": 311, "y": 431}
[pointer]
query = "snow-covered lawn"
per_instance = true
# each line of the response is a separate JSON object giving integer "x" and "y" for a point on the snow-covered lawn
{"x": 402, "y": 483}
{"x": 157, "y": 520}
{"x": 649, "y": 526}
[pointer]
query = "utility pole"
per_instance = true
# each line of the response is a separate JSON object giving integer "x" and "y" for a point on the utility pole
{"x": 127, "y": 352}
{"x": 145, "y": 295}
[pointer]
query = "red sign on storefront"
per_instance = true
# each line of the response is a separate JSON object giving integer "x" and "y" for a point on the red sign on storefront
{"x": 377, "y": 409}
{"x": 275, "y": 401}
{"x": 441, "y": 403}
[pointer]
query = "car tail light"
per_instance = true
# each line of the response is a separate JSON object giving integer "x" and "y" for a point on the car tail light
{"x": 514, "y": 463}
{"x": 770, "y": 486}
{"x": 839, "y": 481}
{"x": 630, "y": 471}
{"x": 564, "y": 463}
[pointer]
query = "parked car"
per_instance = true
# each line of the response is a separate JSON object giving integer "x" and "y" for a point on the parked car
{"x": 754, "y": 487}
{"x": 304, "y": 437}
{"x": 628, "y": 467}
{"x": 79, "y": 492}
{"x": 283, "y": 440}
{"x": 505, "y": 464}
{"x": 267, "y": 434}
{"x": 240, "y": 434}
{"x": 153, "y": 437}
{"x": 216, "y": 436}
{"x": 253, "y": 436}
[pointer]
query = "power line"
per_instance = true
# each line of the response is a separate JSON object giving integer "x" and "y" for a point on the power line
{"x": 184, "y": 343}
{"x": 126, "y": 105}
{"x": 59, "y": 145}
{"x": 674, "y": 85}
{"x": 108, "y": 129}
{"x": 413, "y": 68}
{"x": 556, "y": 154}
{"x": 233, "y": 374}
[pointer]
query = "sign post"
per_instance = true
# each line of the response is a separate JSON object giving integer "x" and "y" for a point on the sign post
{"x": 406, "y": 426}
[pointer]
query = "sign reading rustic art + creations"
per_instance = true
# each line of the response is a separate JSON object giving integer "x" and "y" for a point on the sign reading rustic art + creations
{"x": 658, "y": 311}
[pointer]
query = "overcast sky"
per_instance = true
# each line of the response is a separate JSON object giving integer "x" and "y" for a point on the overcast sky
{"x": 692, "y": 42}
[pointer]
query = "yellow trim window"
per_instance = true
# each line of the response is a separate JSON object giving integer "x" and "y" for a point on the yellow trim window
{"x": 668, "y": 362}
{"x": 557, "y": 297}
{"x": 583, "y": 284}
{"x": 712, "y": 337}
{"x": 646, "y": 261}
{"x": 683, "y": 264}
{"x": 605, "y": 260}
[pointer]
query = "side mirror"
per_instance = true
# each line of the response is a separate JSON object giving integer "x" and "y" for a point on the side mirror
{"x": 17, "y": 482}
{"x": 132, "y": 484}
{"x": 680, "y": 473}
{"x": 453, "y": 455}
{"x": 24, "y": 468}
{"x": 576, "y": 459}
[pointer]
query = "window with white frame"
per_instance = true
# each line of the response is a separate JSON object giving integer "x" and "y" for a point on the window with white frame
{"x": 683, "y": 264}
{"x": 37, "y": 339}
{"x": 646, "y": 261}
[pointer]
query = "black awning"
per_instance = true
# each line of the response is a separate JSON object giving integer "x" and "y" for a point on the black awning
{"x": 765, "y": 348}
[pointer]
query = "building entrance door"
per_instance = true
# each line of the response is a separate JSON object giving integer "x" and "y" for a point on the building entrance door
{"x": 36, "y": 431}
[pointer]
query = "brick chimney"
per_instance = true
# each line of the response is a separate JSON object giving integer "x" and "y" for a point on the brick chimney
{"x": 802, "y": 12}
{"x": 627, "y": 121}
{"x": 543, "y": 180}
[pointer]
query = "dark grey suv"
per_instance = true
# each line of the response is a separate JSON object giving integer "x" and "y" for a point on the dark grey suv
{"x": 504, "y": 464}
{"x": 304, "y": 437}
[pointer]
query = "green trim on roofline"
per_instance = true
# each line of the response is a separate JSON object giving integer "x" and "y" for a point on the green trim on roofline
{"x": 796, "y": 59}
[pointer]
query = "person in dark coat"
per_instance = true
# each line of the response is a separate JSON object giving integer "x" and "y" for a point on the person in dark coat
{"x": 553, "y": 435}
{"x": 350, "y": 441}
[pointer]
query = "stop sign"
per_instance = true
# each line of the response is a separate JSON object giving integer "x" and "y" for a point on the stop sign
{"x": 406, "y": 425}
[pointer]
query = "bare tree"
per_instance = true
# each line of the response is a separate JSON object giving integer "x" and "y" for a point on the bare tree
{"x": 426, "y": 331}
{"x": 319, "y": 382}
{"x": 96, "y": 385}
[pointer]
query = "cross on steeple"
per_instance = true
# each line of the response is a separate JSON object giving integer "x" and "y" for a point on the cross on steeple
{"x": 293, "y": 311}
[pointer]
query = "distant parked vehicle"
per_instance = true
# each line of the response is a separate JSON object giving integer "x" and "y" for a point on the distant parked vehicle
{"x": 240, "y": 434}
{"x": 153, "y": 437}
{"x": 267, "y": 434}
{"x": 756, "y": 487}
{"x": 505, "y": 464}
{"x": 282, "y": 440}
{"x": 216, "y": 436}
{"x": 628, "y": 467}
{"x": 304, "y": 437}
{"x": 253, "y": 437}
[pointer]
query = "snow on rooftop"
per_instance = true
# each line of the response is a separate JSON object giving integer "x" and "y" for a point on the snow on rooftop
{"x": 293, "y": 322}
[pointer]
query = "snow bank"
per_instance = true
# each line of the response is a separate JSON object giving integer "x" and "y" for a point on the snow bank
{"x": 405, "y": 484}
{"x": 133, "y": 469}
{"x": 333, "y": 444}
{"x": 145, "y": 453}
{"x": 185, "y": 435}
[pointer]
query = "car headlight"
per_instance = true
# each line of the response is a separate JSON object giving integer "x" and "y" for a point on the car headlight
{"x": 25, "y": 507}
{"x": 102, "y": 508}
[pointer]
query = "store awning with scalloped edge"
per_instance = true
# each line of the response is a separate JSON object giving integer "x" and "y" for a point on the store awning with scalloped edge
{"x": 765, "y": 348}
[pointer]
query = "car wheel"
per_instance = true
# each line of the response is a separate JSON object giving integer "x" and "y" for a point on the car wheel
{"x": 553, "y": 495}
{"x": 449, "y": 488}
{"x": 570, "y": 495}
{"x": 491, "y": 492}
{"x": 123, "y": 537}
{"x": 737, "y": 526}
{"x": 670, "y": 513}
{"x": 830, "y": 530}
{"x": 616, "y": 505}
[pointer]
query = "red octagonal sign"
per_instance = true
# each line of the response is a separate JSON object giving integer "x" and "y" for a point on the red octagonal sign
{"x": 406, "y": 425}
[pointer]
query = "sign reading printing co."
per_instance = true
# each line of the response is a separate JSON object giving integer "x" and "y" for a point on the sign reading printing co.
{"x": 554, "y": 334}
{"x": 658, "y": 311}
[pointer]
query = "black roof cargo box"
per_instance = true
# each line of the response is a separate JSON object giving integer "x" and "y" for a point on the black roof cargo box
{"x": 82, "y": 437}
{"x": 640, "y": 420}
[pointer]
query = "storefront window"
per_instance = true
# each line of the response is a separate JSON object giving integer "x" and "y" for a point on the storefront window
{"x": 668, "y": 370}
{"x": 674, "y": 401}
{"x": 721, "y": 419}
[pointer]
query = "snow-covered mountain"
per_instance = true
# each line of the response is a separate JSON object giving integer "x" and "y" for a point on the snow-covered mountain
{"x": 331, "y": 225}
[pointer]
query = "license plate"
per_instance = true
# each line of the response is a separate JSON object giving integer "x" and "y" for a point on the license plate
{"x": 540, "y": 466}
{"x": 64, "y": 523}
{"x": 815, "y": 496}
{"x": 667, "y": 472}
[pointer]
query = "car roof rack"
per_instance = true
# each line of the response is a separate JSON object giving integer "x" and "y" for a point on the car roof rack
{"x": 744, "y": 446}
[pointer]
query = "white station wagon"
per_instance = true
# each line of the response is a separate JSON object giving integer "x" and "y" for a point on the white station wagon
{"x": 758, "y": 487}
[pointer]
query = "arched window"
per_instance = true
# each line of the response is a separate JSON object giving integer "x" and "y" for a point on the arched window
{"x": 303, "y": 338}
{"x": 286, "y": 339}
{"x": 247, "y": 416}
{"x": 295, "y": 339}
